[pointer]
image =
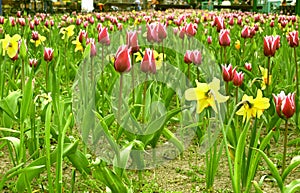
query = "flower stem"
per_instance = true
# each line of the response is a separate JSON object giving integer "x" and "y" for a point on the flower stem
{"x": 120, "y": 97}
{"x": 297, "y": 89}
{"x": 189, "y": 72}
{"x": 225, "y": 60}
{"x": 198, "y": 73}
{"x": 268, "y": 76}
{"x": 144, "y": 98}
{"x": 237, "y": 95}
{"x": 284, "y": 146}
{"x": 132, "y": 78}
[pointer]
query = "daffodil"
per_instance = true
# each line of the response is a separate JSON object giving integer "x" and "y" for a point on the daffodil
{"x": 157, "y": 56}
{"x": 253, "y": 107}
{"x": 264, "y": 73}
{"x": 39, "y": 40}
{"x": 237, "y": 44}
{"x": 206, "y": 95}
{"x": 67, "y": 31}
{"x": 78, "y": 44}
{"x": 10, "y": 45}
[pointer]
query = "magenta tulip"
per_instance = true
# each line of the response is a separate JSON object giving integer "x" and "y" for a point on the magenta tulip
{"x": 48, "y": 54}
{"x": 293, "y": 39}
{"x": 122, "y": 59}
{"x": 224, "y": 38}
{"x": 148, "y": 63}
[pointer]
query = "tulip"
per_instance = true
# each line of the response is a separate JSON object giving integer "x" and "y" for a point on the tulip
{"x": 270, "y": 45}
{"x": 238, "y": 78}
{"x": 12, "y": 21}
{"x": 228, "y": 72}
{"x": 22, "y": 21}
{"x": 224, "y": 38}
{"x": 151, "y": 32}
{"x": 161, "y": 32}
{"x": 188, "y": 58}
{"x": 19, "y": 13}
{"x": 78, "y": 21}
{"x": 231, "y": 21}
{"x": 245, "y": 32}
{"x": 181, "y": 32}
{"x": 285, "y": 104}
{"x": 293, "y": 39}
{"x": 197, "y": 57}
{"x": 190, "y": 30}
{"x": 132, "y": 41}
{"x": 122, "y": 59}
{"x": 33, "y": 62}
{"x": 248, "y": 66}
{"x": 31, "y": 25}
{"x": 48, "y": 54}
{"x": 1, "y": 20}
{"x": 220, "y": 23}
{"x": 91, "y": 41}
{"x": 83, "y": 35}
{"x": 103, "y": 36}
{"x": 272, "y": 23}
{"x": 209, "y": 39}
{"x": 148, "y": 63}
{"x": 35, "y": 35}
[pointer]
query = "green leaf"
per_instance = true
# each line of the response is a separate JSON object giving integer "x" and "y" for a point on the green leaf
{"x": 15, "y": 142}
{"x": 173, "y": 139}
{"x": 293, "y": 187}
{"x": 26, "y": 100}
{"x": 120, "y": 165}
{"x": 289, "y": 169}
{"x": 273, "y": 169}
{"x": 257, "y": 187}
{"x": 10, "y": 104}
{"x": 80, "y": 162}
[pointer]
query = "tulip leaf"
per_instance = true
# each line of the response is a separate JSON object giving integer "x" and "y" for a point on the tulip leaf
{"x": 289, "y": 169}
{"x": 15, "y": 142}
{"x": 294, "y": 186}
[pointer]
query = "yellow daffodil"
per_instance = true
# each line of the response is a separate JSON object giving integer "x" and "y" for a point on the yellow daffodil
{"x": 157, "y": 56}
{"x": 253, "y": 107}
{"x": 78, "y": 44}
{"x": 10, "y": 45}
{"x": 67, "y": 31}
{"x": 237, "y": 44}
{"x": 206, "y": 95}
{"x": 264, "y": 73}
{"x": 38, "y": 41}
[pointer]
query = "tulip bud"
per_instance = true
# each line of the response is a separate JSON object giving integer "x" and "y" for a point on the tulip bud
{"x": 272, "y": 23}
{"x": 181, "y": 32}
{"x": 161, "y": 31}
{"x": 224, "y": 38}
{"x": 197, "y": 57}
{"x": 78, "y": 21}
{"x": 285, "y": 105}
{"x": 1, "y": 20}
{"x": 103, "y": 36}
{"x": 122, "y": 59}
{"x": 245, "y": 32}
{"x": 228, "y": 72}
{"x": 188, "y": 58}
{"x": 33, "y": 62}
{"x": 293, "y": 39}
{"x": 91, "y": 41}
{"x": 19, "y": 13}
{"x": 209, "y": 39}
{"x": 248, "y": 66}
{"x": 190, "y": 30}
{"x": 12, "y": 21}
{"x": 35, "y": 35}
{"x": 148, "y": 63}
{"x": 48, "y": 54}
{"x": 238, "y": 78}
{"x": 31, "y": 25}
{"x": 132, "y": 41}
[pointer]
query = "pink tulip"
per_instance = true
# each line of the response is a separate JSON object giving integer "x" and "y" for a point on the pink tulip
{"x": 91, "y": 41}
{"x": 248, "y": 66}
{"x": 122, "y": 59}
{"x": 83, "y": 35}
{"x": 48, "y": 54}
{"x": 238, "y": 78}
{"x": 33, "y": 62}
{"x": 209, "y": 39}
{"x": 132, "y": 41}
{"x": 1, "y": 20}
{"x": 219, "y": 22}
{"x": 161, "y": 32}
{"x": 245, "y": 32}
{"x": 228, "y": 72}
{"x": 148, "y": 63}
{"x": 293, "y": 39}
{"x": 181, "y": 32}
{"x": 103, "y": 36}
{"x": 197, "y": 57}
{"x": 188, "y": 58}
{"x": 190, "y": 30}
{"x": 271, "y": 44}
{"x": 35, "y": 35}
{"x": 224, "y": 38}
{"x": 285, "y": 104}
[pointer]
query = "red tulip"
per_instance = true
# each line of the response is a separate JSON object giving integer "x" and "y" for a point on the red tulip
{"x": 78, "y": 21}
{"x": 122, "y": 59}
{"x": 151, "y": 32}
{"x": 228, "y": 72}
{"x": 19, "y": 13}
{"x": 12, "y": 21}
{"x": 148, "y": 63}
{"x": 238, "y": 78}
{"x": 33, "y": 62}
{"x": 248, "y": 66}
{"x": 219, "y": 22}
{"x": 197, "y": 57}
{"x": 293, "y": 39}
{"x": 188, "y": 58}
{"x": 103, "y": 36}
{"x": 132, "y": 41}
{"x": 285, "y": 104}
{"x": 271, "y": 44}
{"x": 48, "y": 54}
{"x": 35, "y": 35}
{"x": 240, "y": 20}
{"x": 190, "y": 30}
{"x": 1, "y": 20}
{"x": 51, "y": 22}
{"x": 83, "y": 35}
{"x": 272, "y": 23}
{"x": 231, "y": 21}
{"x": 209, "y": 39}
{"x": 181, "y": 32}
{"x": 245, "y": 32}
{"x": 22, "y": 21}
{"x": 224, "y": 38}
{"x": 31, "y": 25}
{"x": 36, "y": 21}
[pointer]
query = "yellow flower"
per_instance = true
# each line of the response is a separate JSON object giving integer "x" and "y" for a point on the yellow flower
{"x": 206, "y": 95}
{"x": 67, "y": 31}
{"x": 11, "y": 45}
{"x": 157, "y": 56}
{"x": 38, "y": 41}
{"x": 264, "y": 73}
{"x": 237, "y": 44}
{"x": 253, "y": 107}
{"x": 78, "y": 44}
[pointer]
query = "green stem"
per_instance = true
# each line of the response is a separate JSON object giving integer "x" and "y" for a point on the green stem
{"x": 297, "y": 90}
{"x": 144, "y": 98}
{"x": 120, "y": 97}
{"x": 268, "y": 77}
{"x": 132, "y": 79}
{"x": 225, "y": 59}
{"x": 237, "y": 95}
{"x": 189, "y": 72}
{"x": 284, "y": 146}
{"x": 198, "y": 73}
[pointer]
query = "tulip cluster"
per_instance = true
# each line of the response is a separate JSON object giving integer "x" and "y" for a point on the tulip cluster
{"x": 193, "y": 56}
